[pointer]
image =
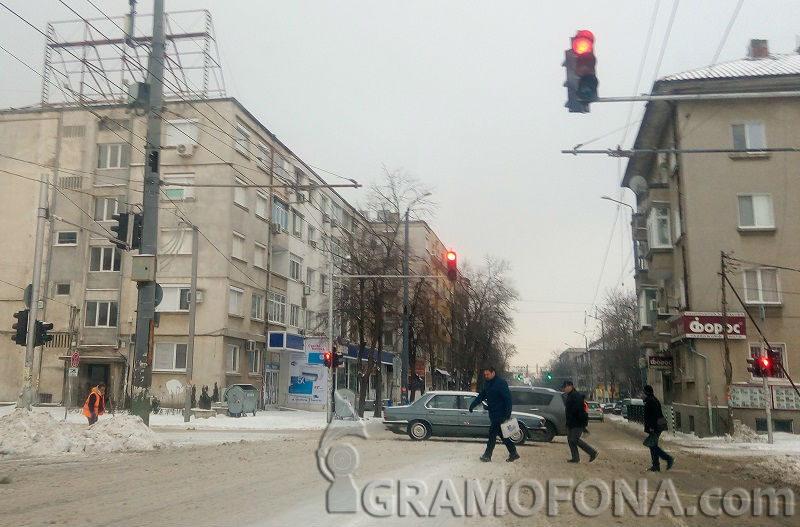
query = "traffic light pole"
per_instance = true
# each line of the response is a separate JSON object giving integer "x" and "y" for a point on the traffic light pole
{"x": 187, "y": 409}
{"x": 767, "y": 394}
{"x": 41, "y": 215}
{"x": 331, "y": 377}
{"x": 404, "y": 396}
{"x": 145, "y": 309}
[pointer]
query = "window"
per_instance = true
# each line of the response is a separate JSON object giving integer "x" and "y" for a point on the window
{"x": 444, "y": 402}
{"x": 62, "y": 289}
{"x": 277, "y": 308}
{"x": 761, "y": 286}
{"x": 105, "y": 208}
{"x": 279, "y": 168}
{"x": 338, "y": 213}
{"x": 240, "y": 193}
{"x": 232, "y": 359}
{"x": 112, "y": 156}
{"x": 67, "y": 238}
{"x": 648, "y": 310}
{"x": 323, "y": 283}
{"x": 295, "y": 267}
{"x": 260, "y": 256}
{"x": 311, "y": 320}
{"x": 312, "y": 233}
{"x": 104, "y": 259}
{"x": 253, "y": 360}
{"x": 757, "y": 349}
{"x": 238, "y": 246}
{"x": 175, "y": 298}
{"x": 310, "y": 275}
{"x": 324, "y": 205}
{"x": 176, "y": 192}
{"x": 262, "y": 204}
{"x": 294, "y": 315}
{"x": 181, "y": 132}
{"x": 755, "y": 211}
{"x": 322, "y": 321}
{"x": 241, "y": 139}
{"x": 748, "y": 136}
{"x": 676, "y": 214}
{"x": 658, "y": 233}
{"x": 101, "y": 314}
{"x": 388, "y": 338}
{"x": 297, "y": 224}
{"x": 263, "y": 156}
{"x": 257, "y": 307}
{"x": 280, "y": 213}
{"x": 235, "y": 302}
{"x": 169, "y": 356}
{"x": 175, "y": 241}
{"x": 530, "y": 398}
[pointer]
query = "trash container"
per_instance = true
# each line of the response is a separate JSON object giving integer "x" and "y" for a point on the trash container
{"x": 241, "y": 399}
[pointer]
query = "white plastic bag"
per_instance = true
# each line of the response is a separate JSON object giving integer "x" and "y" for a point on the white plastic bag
{"x": 509, "y": 428}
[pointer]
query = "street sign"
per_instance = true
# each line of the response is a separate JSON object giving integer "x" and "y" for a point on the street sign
{"x": 73, "y": 372}
{"x": 75, "y": 360}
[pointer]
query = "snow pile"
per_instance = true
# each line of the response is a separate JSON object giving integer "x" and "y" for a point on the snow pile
{"x": 780, "y": 470}
{"x": 263, "y": 420}
{"x": 744, "y": 434}
{"x": 35, "y": 434}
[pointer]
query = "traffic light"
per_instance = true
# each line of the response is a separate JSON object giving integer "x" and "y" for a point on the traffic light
{"x": 452, "y": 265}
{"x": 136, "y": 234}
{"x": 121, "y": 229}
{"x": 519, "y": 377}
{"x": 327, "y": 358}
{"x": 766, "y": 366}
{"x": 580, "y": 62}
{"x": 21, "y": 327}
{"x": 776, "y": 364}
{"x": 757, "y": 366}
{"x": 548, "y": 376}
{"x": 41, "y": 336}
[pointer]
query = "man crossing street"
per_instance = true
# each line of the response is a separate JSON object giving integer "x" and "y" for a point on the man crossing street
{"x": 577, "y": 421}
{"x": 498, "y": 397}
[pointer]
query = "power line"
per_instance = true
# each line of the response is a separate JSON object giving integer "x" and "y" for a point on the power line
{"x": 48, "y": 297}
{"x": 666, "y": 38}
{"x": 727, "y": 31}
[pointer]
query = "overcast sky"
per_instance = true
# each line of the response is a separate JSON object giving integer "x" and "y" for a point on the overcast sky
{"x": 467, "y": 96}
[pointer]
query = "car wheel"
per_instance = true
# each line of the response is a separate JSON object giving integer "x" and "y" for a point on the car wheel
{"x": 419, "y": 430}
{"x": 551, "y": 431}
{"x": 519, "y": 438}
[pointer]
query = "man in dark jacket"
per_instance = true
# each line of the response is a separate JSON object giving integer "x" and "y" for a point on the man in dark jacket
{"x": 577, "y": 421}
{"x": 654, "y": 424}
{"x": 498, "y": 397}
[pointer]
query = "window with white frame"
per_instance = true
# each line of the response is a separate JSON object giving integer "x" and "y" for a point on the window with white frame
{"x": 276, "y": 310}
{"x": 323, "y": 283}
{"x": 280, "y": 213}
{"x": 112, "y": 156}
{"x": 312, "y": 233}
{"x": 388, "y": 338}
{"x": 175, "y": 298}
{"x": 279, "y": 167}
{"x": 105, "y": 208}
{"x": 240, "y": 193}
{"x": 101, "y": 314}
{"x": 257, "y": 307}
{"x": 761, "y": 286}
{"x": 757, "y": 349}
{"x": 232, "y": 359}
{"x": 253, "y": 360}
{"x": 658, "y": 229}
{"x": 748, "y": 136}
{"x": 295, "y": 267}
{"x": 260, "y": 256}
{"x": 648, "y": 309}
{"x": 323, "y": 205}
{"x": 297, "y": 224}
{"x": 264, "y": 156}
{"x": 181, "y": 132}
{"x": 241, "y": 139}
{"x": 63, "y": 288}
{"x": 104, "y": 259}
{"x": 67, "y": 238}
{"x": 294, "y": 316}
{"x": 174, "y": 191}
{"x": 175, "y": 241}
{"x": 310, "y": 277}
{"x": 235, "y": 303}
{"x": 262, "y": 205}
{"x": 755, "y": 211}
{"x": 237, "y": 250}
{"x": 169, "y": 356}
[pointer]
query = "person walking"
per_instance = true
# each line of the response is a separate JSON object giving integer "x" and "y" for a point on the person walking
{"x": 577, "y": 421}
{"x": 498, "y": 397}
{"x": 654, "y": 424}
{"x": 95, "y": 404}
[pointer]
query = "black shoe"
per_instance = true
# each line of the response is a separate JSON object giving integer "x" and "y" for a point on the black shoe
{"x": 573, "y": 461}
{"x": 670, "y": 462}
{"x": 593, "y": 457}
{"x": 486, "y": 458}
{"x": 654, "y": 469}
{"x": 513, "y": 457}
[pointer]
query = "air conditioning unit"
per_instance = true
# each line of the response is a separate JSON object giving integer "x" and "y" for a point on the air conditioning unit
{"x": 251, "y": 345}
{"x": 275, "y": 228}
{"x": 185, "y": 149}
{"x": 306, "y": 290}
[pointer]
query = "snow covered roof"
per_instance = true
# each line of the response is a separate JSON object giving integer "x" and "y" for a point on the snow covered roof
{"x": 775, "y": 64}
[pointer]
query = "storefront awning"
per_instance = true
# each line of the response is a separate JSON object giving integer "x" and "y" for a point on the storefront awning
{"x": 95, "y": 358}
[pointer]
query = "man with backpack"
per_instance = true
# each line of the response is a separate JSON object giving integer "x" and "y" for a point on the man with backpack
{"x": 654, "y": 424}
{"x": 577, "y": 421}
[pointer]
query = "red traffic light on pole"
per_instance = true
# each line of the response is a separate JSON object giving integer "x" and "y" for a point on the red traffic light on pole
{"x": 452, "y": 265}
{"x": 580, "y": 62}
{"x": 583, "y": 42}
{"x": 327, "y": 358}
{"x": 756, "y": 366}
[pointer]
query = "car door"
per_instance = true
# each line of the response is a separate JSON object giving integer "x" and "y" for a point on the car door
{"x": 443, "y": 414}
{"x": 477, "y": 421}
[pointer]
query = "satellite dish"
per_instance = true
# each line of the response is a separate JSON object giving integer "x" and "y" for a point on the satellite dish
{"x": 638, "y": 185}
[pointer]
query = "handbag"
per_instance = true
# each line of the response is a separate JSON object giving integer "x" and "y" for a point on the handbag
{"x": 661, "y": 424}
{"x": 651, "y": 440}
{"x": 509, "y": 428}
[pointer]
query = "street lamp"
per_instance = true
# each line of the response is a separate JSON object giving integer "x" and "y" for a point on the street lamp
{"x": 633, "y": 211}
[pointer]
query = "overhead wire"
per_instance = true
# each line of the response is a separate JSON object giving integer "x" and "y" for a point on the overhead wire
{"x": 727, "y": 31}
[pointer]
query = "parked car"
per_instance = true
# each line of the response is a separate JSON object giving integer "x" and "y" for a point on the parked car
{"x": 595, "y": 410}
{"x": 628, "y": 402}
{"x": 618, "y": 408}
{"x": 541, "y": 401}
{"x": 446, "y": 414}
{"x": 608, "y": 408}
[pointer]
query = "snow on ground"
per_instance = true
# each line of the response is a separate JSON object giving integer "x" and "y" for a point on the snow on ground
{"x": 266, "y": 420}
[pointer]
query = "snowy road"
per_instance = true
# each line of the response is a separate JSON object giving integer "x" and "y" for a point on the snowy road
{"x": 224, "y": 477}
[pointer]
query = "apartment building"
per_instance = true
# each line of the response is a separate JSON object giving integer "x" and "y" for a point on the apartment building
{"x": 264, "y": 253}
{"x": 725, "y": 181}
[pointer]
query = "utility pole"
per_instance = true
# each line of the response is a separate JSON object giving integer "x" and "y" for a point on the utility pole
{"x": 145, "y": 309}
{"x": 728, "y": 366}
{"x": 330, "y": 341}
{"x": 404, "y": 369}
{"x": 192, "y": 316}
{"x": 41, "y": 216}
{"x": 767, "y": 395}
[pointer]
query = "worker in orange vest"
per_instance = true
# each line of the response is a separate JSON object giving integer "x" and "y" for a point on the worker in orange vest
{"x": 95, "y": 404}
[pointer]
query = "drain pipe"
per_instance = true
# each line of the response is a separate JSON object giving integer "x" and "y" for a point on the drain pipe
{"x": 708, "y": 386}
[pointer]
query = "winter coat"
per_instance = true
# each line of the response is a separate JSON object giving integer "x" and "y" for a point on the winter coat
{"x": 652, "y": 413}
{"x": 496, "y": 393}
{"x": 95, "y": 404}
{"x": 575, "y": 409}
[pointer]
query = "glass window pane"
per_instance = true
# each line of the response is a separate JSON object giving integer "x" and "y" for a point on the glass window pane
{"x": 117, "y": 259}
{"x": 102, "y": 313}
{"x": 755, "y": 136}
{"x": 112, "y": 317}
{"x": 746, "y": 213}
{"x": 106, "y": 259}
{"x": 762, "y": 206}
{"x": 183, "y": 302}
{"x": 91, "y": 314}
{"x": 180, "y": 356}
{"x": 739, "y": 141}
{"x": 769, "y": 285}
{"x": 162, "y": 359}
{"x": 751, "y": 286}
{"x": 94, "y": 260}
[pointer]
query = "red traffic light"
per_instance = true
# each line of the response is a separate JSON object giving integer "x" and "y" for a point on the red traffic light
{"x": 764, "y": 362}
{"x": 583, "y": 42}
{"x": 451, "y": 256}
{"x": 327, "y": 357}
{"x": 452, "y": 265}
